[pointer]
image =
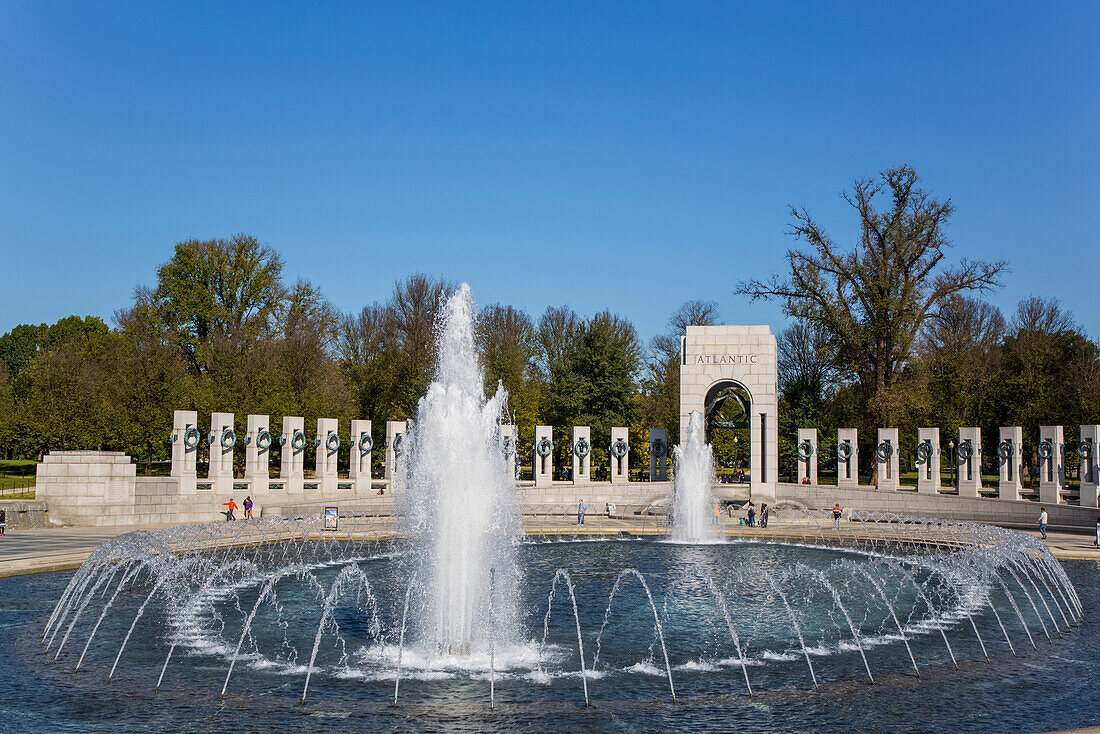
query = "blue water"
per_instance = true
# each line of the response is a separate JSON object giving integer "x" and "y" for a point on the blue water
{"x": 1049, "y": 688}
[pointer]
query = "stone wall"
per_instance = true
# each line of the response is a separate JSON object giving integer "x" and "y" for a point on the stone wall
{"x": 101, "y": 488}
{"x": 293, "y": 507}
{"x": 87, "y": 487}
{"x": 93, "y": 488}
{"x": 24, "y": 514}
{"x": 596, "y": 495}
{"x": 1019, "y": 513}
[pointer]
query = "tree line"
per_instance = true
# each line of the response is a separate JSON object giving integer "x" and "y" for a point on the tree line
{"x": 885, "y": 331}
{"x": 222, "y": 329}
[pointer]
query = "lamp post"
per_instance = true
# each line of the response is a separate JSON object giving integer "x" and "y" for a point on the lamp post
{"x": 954, "y": 464}
{"x": 736, "y": 457}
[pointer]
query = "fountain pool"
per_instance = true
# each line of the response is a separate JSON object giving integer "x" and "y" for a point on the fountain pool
{"x": 445, "y": 616}
{"x": 671, "y": 634}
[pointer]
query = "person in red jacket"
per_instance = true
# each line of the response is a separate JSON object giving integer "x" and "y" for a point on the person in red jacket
{"x": 229, "y": 513}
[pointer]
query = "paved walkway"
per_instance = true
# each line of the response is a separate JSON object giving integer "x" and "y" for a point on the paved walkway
{"x": 1070, "y": 546}
{"x": 56, "y": 549}
{"x": 53, "y": 549}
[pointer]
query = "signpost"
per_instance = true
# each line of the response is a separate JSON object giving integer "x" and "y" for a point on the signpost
{"x": 332, "y": 518}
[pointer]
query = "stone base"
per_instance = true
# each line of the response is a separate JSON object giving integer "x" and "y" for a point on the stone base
{"x": 24, "y": 514}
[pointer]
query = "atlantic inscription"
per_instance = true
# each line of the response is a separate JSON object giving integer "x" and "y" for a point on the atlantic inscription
{"x": 725, "y": 359}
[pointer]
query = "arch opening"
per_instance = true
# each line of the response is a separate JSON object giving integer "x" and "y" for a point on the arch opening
{"x": 728, "y": 414}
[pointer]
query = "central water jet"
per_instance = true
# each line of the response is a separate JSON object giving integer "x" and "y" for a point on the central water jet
{"x": 463, "y": 508}
{"x": 693, "y": 504}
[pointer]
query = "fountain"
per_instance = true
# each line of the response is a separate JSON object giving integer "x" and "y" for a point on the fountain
{"x": 425, "y": 609}
{"x": 463, "y": 514}
{"x": 248, "y": 609}
{"x": 693, "y": 505}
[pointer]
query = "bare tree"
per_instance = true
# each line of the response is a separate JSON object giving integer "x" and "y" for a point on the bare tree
{"x": 806, "y": 364}
{"x": 364, "y": 344}
{"x": 363, "y": 335}
{"x": 697, "y": 312}
{"x": 557, "y": 329}
{"x": 691, "y": 313}
{"x": 874, "y": 299}
{"x": 1042, "y": 314}
{"x": 414, "y": 307}
{"x": 506, "y": 338}
{"x": 661, "y": 382}
{"x": 964, "y": 325}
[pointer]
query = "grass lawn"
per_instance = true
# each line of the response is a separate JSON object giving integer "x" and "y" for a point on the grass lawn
{"x": 20, "y": 471}
{"x": 17, "y": 474}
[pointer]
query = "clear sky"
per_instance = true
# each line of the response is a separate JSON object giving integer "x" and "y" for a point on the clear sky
{"x": 626, "y": 156}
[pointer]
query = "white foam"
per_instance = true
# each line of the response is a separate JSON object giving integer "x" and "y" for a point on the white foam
{"x": 645, "y": 668}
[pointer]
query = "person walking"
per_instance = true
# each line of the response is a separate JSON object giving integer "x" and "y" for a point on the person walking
{"x": 1043, "y": 522}
{"x": 232, "y": 507}
{"x": 764, "y": 515}
{"x": 248, "y": 508}
{"x": 836, "y": 516}
{"x": 4, "y": 521}
{"x": 717, "y": 513}
{"x": 580, "y": 512}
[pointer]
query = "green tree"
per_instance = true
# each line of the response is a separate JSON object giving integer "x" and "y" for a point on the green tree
{"x": 150, "y": 380}
{"x": 557, "y": 339}
{"x": 588, "y": 370}
{"x": 73, "y": 329}
{"x": 387, "y": 352}
{"x": 218, "y": 295}
{"x": 19, "y": 346}
{"x": 605, "y": 366}
{"x": 1049, "y": 371}
{"x": 507, "y": 341}
{"x": 958, "y": 367}
{"x": 311, "y": 378}
{"x": 68, "y": 401}
{"x": 7, "y": 413}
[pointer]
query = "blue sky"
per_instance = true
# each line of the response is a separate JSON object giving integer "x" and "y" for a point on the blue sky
{"x": 626, "y": 156}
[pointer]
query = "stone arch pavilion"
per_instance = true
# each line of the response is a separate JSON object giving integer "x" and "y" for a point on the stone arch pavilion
{"x": 719, "y": 362}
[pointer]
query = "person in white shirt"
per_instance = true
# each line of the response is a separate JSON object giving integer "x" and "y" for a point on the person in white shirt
{"x": 1043, "y": 522}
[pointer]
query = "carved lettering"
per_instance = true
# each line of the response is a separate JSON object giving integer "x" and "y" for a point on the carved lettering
{"x": 726, "y": 359}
